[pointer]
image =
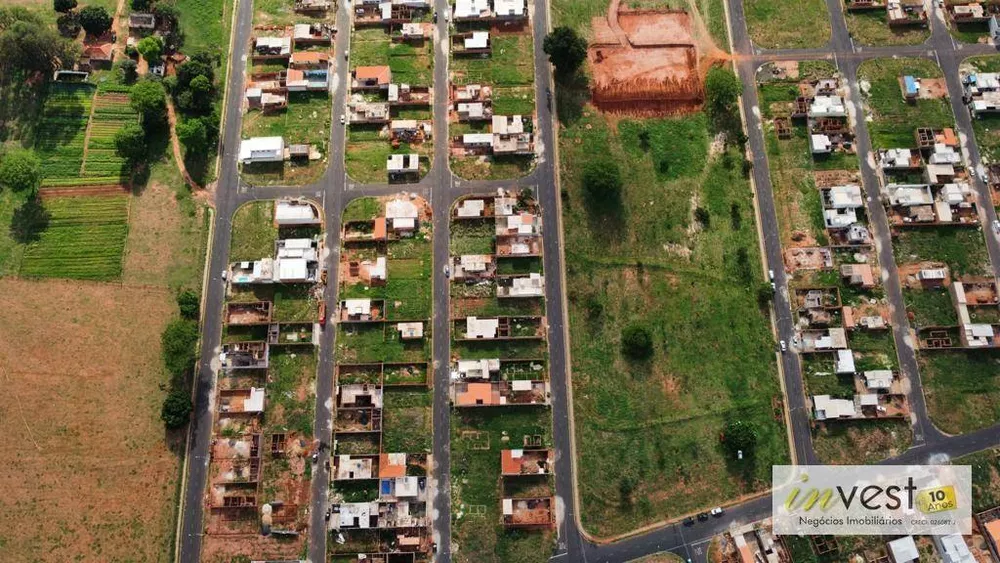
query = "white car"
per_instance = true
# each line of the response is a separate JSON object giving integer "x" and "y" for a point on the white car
{"x": 342, "y": 119}
{"x": 718, "y": 511}
{"x": 996, "y": 226}
{"x": 770, "y": 274}
{"x": 225, "y": 275}
{"x": 784, "y": 346}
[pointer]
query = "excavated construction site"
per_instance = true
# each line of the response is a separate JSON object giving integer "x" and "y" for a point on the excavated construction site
{"x": 648, "y": 62}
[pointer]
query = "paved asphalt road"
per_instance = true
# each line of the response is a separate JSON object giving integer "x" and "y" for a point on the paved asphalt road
{"x": 335, "y": 190}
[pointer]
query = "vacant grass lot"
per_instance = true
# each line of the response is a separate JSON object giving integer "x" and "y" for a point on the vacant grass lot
{"x": 895, "y": 120}
{"x": 254, "y": 232}
{"x": 871, "y": 28}
{"x": 962, "y": 389}
{"x": 782, "y": 24}
{"x": 406, "y": 420}
{"x": 477, "y": 436}
{"x": 961, "y": 248}
{"x": 985, "y": 485}
{"x": 861, "y": 442}
{"x": 647, "y": 433}
{"x": 930, "y": 307}
{"x": 987, "y": 127}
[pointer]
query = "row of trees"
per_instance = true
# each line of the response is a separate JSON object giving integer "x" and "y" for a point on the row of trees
{"x": 179, "y": 343}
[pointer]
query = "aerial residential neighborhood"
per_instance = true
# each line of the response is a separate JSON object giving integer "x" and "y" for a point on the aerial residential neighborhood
{"x": 413, "y": 281}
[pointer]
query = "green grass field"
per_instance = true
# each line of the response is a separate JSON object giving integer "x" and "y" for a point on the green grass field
{"x": 644, "y": 428}
{"x": 962, "y": 389}
{"x": 985, "y": 487}
{"x": 861, "y": 442}
{"x": 895, "y": 120}
{"x": 871, "y": 28}
{"x": 406, "y": 420}
{"x": 930, "y": 307}
{"x": 787, "y": 24}
{"x": 961, "y": 248}
{"x": 83, "y": 238}
{"x": 254, "y": 232}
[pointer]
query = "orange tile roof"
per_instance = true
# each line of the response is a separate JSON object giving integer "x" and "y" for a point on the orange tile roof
{"x": 100, "y": 51}
{"x": 509, "y": 465}
{"x": 948, "y": 137}
{"x": 380, "y": 229}
{"x": 380, "y": 73}
{"x": 309, "y": 57}
{"x": 476, "y": 394}
{"x": 387, "y": 470}
{"x": 848, "y": 314}
{"x": 993, "y": 530}
{"x": 294, "y": 75}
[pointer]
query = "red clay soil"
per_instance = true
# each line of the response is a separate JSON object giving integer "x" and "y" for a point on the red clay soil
{"x": 648, "y": 62}
{"x": 83, "y": 191}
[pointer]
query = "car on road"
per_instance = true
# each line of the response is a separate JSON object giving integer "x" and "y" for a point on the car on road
{"x": 225, "y": 275}
{"x": 342, "y": 119}
{"x": 689, "y": 521}
{"x": 718, "y": 511}
{"x": 774, "y": 287}
{"x": 703, "y": 516}
{"x": 347, "y": 54}
{"x": 784, "y": 346}
{"x": 996, "y": 226}
{"x": 770, "y": 274}
{"x": 447, "y": 272}
{"x": 435, "y": 16}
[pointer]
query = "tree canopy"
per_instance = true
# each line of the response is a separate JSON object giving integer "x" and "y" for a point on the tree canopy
{"x": 63, "y": 6}
{"x": 130, "y": 142}
{"x": 189, "y": 303}
{"x": 192, "y": 133}
{"x": 179, "y": 341}
{"x": 151, "y": 48}
{"x": 566, "y": 49}
{"x": 637, "y": 343}
{"x": 176, "y": 409}
{"x": 20, "y": 170}
{"x": 148, "y": 98}
{"x": 29, "y": 45}
{"x": 602, "y": 185}
{"x": 740, "y": 436}
{"x": 95, "y": 20}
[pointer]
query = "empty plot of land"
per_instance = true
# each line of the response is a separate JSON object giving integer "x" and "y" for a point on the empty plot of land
{"x": 962, "y": 389}
{"x": 894, "y": 120}
{"x": 86, "y": 461}
{"x": 782, "y": 24}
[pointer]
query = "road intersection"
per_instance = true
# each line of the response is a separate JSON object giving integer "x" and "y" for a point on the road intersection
{"x": 335, "y": 189}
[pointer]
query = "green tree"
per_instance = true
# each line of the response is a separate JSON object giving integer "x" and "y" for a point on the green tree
{"x": 189, "y": 303}
{"x": 130, "y": 143}
{"x": 192, "y": 133}
{"x": 179, "y": 344}
{"x": 68, "y": 25}
{"x": 602, "y": 185}
{"x": 28, "y": 45}
{"x": 20, "y": 170}
{"x": 151, "y": 48}
{"x": 637, "y": 343}
{"x": 722, "y": 89}
{"x": 129, "y": 70}
{"x": 95, "y": 20}
{"x": 566, "y": 49}
{"x": 63, "y": 6}
{"x": 140, "y": 5}
{"x": 764, "y": 294}
{"x": 176, "y": 409}
{"x": 740, "y": 436}
{"x": 148, "y": 98}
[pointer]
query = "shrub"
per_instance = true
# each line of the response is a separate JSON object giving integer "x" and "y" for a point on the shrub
{"x": 602, "y": 184}
{"x": 130, "y": 142}
{"x": 740, "y": 435}
{"x": 176, "y": 409}
{"x": 63, "y": 6}
{"x": 637, "y": 343}
{"x": 189, "y": 304}
{"x": 179, "y": 345}
{"x": 566, "y": 49}
{"x": 20, "y": 170}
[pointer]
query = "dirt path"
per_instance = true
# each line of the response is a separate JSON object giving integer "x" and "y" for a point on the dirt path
{"x": 176, "y": 145}
{"x": 616, "y": 28}
{"x": 120, "y": 37}
{"x": 86, "y": 136}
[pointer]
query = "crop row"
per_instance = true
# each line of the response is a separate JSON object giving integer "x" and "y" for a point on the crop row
{"x": 87, "y": 181}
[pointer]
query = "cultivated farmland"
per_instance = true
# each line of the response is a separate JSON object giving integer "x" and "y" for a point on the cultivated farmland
{"x": 62, "y": 132}
{"x": 84, "y": 239}
{"x": 111, "y": 112}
